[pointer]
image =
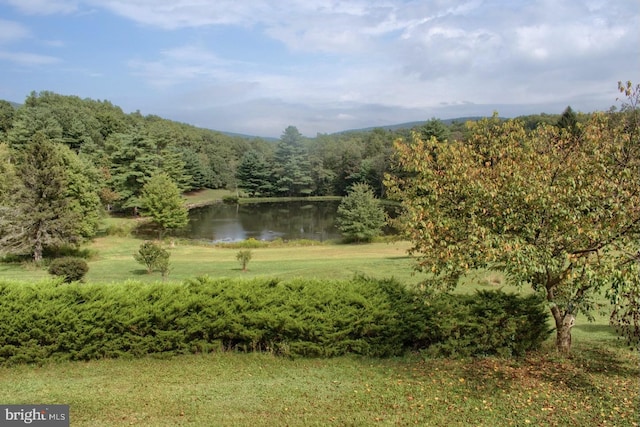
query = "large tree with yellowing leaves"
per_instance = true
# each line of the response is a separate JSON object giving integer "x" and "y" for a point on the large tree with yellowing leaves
{"x": 555, "y": 210}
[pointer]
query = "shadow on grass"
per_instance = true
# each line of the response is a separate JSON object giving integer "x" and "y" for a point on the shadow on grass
{"x": 601, "y": 360}
{"x": 140, "y": 272}
{"x": 583, "y": 371}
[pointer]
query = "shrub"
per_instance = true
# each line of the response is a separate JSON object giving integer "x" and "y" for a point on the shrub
{"x": 153, "y": 256}
{"x": 244, "y": 256}
{"x": 73, "y": 269}
{"x": 486, "y": 323}
{"x": 231, "y": 199}
{"x": 298, "y": 317}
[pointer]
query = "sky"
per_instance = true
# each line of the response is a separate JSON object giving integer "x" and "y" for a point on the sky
{"x": 258, "y": 66}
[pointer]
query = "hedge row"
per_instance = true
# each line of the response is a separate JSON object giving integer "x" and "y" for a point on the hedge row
{"x": 50, "y": 320}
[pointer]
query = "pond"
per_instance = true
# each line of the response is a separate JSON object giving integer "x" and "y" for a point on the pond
{"x": 221, "y": 222}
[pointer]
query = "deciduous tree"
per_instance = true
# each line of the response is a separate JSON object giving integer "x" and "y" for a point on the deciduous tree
{"x": 161, "y": 200}
{"x": 555, "y": 211}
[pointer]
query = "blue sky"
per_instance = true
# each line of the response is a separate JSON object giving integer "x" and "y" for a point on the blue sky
{"x": 258, "y": 66}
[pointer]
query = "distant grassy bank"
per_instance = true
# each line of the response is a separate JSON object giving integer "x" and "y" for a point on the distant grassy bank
{"x": 206, "y": 197}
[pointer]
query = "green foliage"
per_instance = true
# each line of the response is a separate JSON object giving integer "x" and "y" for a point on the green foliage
{"x": 552, "y": 210}
{"x": 231, "y": 199}
{"x": 252, "y": 243}
{"x": 434, "y": 128}
{"x": 255, "y": 175}
{"x": 82, "y": 191}
{"x": 6, "y": 118}
{"x": 40, "y": 215}
{"x": 569, "y": 121}
{"x": 153, "y": 256}
{"x": 360, "y": 216}
{"x": 486, "y": 323}
{"x": 293, "y": 170}
{"x": 291, "y": 318}
{"x": 161, "y": 200}
{"x": 72, "y": 269}
{"x": 299, "y": 317}
{"x": 244, "y": 256}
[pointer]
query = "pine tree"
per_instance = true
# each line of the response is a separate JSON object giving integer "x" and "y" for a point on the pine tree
{"x": 133, "y": 161}
{"x": 41, "y": 216}
{"x": 360, "y": 215}
{"x": 293, "y": 169}
{"x": 255, "y": 175}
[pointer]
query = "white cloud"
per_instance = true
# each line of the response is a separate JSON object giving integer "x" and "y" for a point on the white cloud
{"x": 44, "y": 7}
{"x": 172, "y": 14}
{"x": 182, "y": 65}
{"x": 11, "y": 31}
{"x": 28, "y": 59}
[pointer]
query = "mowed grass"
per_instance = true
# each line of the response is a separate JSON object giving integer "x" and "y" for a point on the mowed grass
{"x": 112, "y": 261}
{"x": 597, "y": 387}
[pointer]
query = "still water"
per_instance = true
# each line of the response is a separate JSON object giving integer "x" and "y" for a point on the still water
{"x": 264, "y": 221}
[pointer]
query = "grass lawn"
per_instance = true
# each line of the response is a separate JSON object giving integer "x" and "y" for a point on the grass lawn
{"x": 597, "y": 387}
{"x": 113, "y": 262}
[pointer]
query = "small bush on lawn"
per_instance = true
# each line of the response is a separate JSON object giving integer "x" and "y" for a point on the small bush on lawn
{"x": 71, "y": 268}
{"x": 153, "y": 257}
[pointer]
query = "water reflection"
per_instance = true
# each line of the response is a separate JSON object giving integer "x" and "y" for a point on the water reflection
{"x": 264, "y": 221}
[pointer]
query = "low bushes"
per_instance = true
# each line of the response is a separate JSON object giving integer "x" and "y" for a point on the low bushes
{"x": 71, "y": 269}
{"x": 298, "y": 317}
{"x": 486, "y": 323}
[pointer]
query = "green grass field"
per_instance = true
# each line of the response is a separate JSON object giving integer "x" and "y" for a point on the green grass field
{"x": 597, "y": 386}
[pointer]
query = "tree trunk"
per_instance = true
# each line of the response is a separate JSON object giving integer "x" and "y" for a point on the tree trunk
{"x": 564, "y": 323}
{"x": 37, "y": 252}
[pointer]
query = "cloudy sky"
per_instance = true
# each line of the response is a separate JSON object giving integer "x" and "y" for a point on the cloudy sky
{"x": 257, "y": 66}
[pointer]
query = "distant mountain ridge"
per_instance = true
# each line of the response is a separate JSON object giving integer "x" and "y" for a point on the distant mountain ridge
{"x": 394, "y": 127}
{"x": 411, "y": 125}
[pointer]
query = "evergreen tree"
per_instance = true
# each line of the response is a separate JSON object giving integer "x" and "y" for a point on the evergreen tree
{"x": 435, "y": 128}
{"x": 255, "y": 175}
{"x": 194, "y": 166}
{"x": 360, "y": 215}
{"x": 83, "y": 190}
{"x": 293, "y": 169}
{"x": 569, "y": 121}
{"x": 133, "y": 161}
{"x": 6, "y": 118}
{"x": 161, "y": 200}
{"x": 41, "y": 216}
